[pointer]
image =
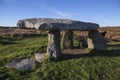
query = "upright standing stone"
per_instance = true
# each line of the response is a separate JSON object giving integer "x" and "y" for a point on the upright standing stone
{"x": 67, "y": 40}
{"x": 82, "y": 42}
{"x": 96, "y": 40}
{"x": 53, "y": 48}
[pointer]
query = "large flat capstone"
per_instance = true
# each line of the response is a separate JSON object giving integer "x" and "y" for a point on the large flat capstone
{"x": 56, "y": 24}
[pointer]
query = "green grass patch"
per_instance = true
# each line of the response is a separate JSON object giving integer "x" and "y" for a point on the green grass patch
{"x": 99, "y": 65}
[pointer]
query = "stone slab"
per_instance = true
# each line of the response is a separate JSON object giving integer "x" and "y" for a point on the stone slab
{"x": 21, "y": 64}
{"x": 56, "y": 24}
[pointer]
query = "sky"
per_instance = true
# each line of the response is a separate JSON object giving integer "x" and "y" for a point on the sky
{"x": 103, "y": 12}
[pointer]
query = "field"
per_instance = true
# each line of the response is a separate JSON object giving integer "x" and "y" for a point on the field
{"x": 112, "y": 32}
{"x": 94, "y": 65}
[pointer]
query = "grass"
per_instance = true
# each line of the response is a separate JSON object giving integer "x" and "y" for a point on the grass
{"x": 99, "y": 65}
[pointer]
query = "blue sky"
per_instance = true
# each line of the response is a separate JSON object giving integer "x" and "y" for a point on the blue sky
{"x": 103, "y": 12}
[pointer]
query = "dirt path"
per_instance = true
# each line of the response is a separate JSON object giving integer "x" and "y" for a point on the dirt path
{"x": 75, "y": 51}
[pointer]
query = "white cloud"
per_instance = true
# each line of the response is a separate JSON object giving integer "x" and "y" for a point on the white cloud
{"x": 64, "y": 14}
{"x": 53, "y": 10}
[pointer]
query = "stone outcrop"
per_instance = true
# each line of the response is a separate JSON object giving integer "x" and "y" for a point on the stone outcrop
{"x": 56, "y": 24}
{"x": 96, "y": 40}
{"x": 21, "y": 64}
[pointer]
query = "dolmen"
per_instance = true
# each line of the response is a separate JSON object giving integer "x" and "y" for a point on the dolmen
{"x": 95, "y": 39}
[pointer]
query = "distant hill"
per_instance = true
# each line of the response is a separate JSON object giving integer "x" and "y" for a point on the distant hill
{"x": 112, "y": 32}
{"x": 7, "y": 26}
{"x": 16, "y": 31}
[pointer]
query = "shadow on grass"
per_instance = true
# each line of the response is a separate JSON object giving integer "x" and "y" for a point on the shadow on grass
{"x": 33, "y": 35}
{"x": 7, "y": 42}
{"x": 113, "y": 40}
{"x": 114, "y": 45}
{"x": 93, "y": 53}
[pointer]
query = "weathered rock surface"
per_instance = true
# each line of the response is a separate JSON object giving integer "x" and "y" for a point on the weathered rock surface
{"x": 21, "y": 64}
{"x": 53, "y": 48}
{"x": 82, "y": 42}
{"x": 96, "y": 40}
{"x": 67, "y": 40}
{"x": 40, "y": 57}
{"x": 56, "y": 24}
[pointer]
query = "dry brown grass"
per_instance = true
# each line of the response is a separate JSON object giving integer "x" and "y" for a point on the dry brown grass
{"x": 112, "y": 32}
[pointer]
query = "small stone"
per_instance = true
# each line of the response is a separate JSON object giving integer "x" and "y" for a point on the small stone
{"x": 21, "y": 64}
{"x": 40, "y": 57}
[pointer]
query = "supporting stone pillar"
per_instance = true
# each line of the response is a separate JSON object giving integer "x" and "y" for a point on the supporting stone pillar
{"x": 82, "y": 42}
{"x": 96, "y": 40}
{"x": 67, "y": 40}
{"x": 53, "y": 48}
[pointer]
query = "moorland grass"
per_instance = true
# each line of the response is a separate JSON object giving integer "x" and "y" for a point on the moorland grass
{"x": 99, "y": 65}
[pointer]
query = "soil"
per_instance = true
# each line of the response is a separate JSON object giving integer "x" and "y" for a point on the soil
{"x": 75, "y": 51}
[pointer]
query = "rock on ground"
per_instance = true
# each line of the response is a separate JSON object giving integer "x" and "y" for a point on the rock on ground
{"x": 40, "y": 57}
{"x": 21, "y": 64}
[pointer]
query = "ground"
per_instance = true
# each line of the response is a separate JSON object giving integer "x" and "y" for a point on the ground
{"x": 76, "y": 64}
